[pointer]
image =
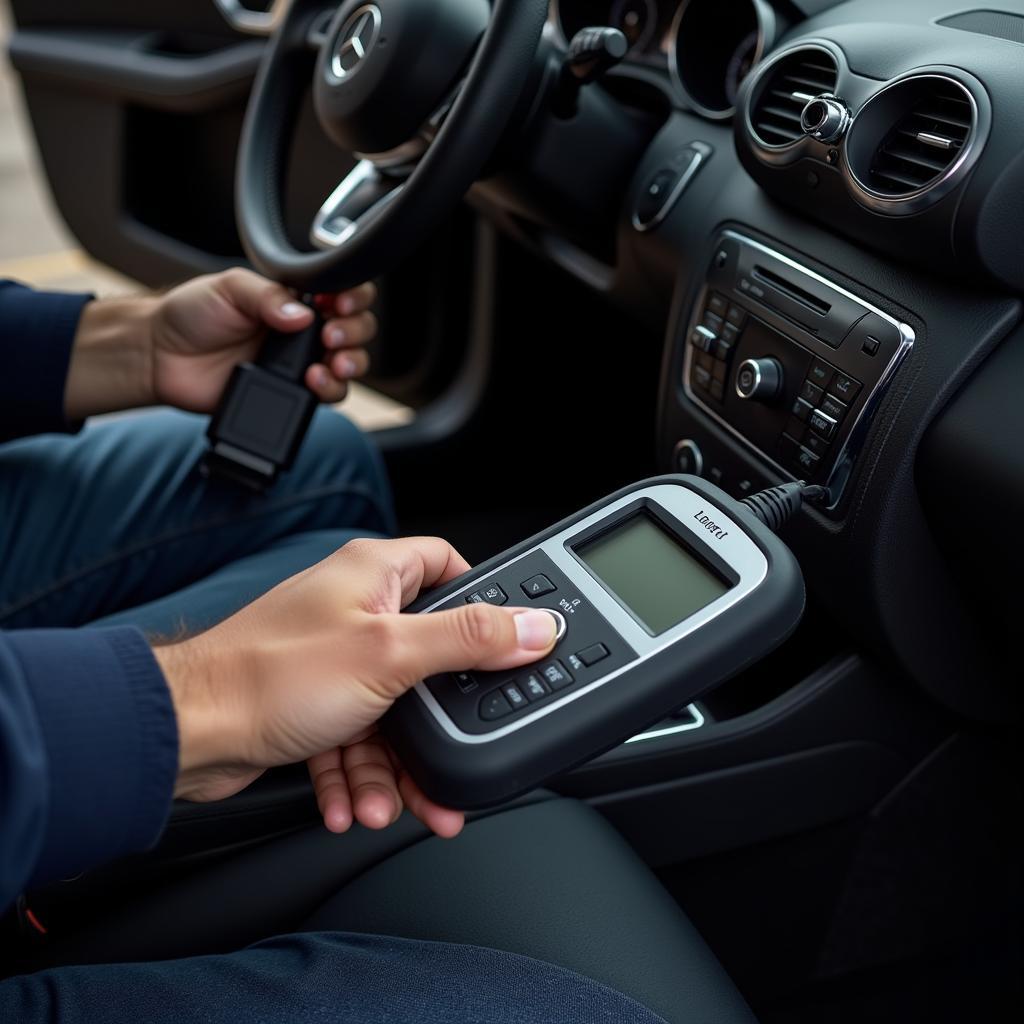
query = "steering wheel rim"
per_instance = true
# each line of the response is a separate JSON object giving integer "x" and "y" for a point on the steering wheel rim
{"x": 465, "y": 141}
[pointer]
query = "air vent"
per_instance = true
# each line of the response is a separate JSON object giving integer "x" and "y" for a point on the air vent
{"x": 785, "y": 89}
{"x": 916, "y": 140}
{"x": 924, "y": 143}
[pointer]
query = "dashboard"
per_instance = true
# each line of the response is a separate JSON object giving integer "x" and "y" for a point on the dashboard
{"x": 826, "y": 218}
{"x": 705, "y": 48}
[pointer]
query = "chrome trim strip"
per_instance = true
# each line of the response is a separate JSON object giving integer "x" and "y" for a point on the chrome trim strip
{"x": 737, "y": 549}
{"x": 699, "y": 721}
{"x": 254, "y": 23}
{"x": 697, "y": 159}
{"x": 912, "y": 202}
{"x": 851, "y": 449}
{"x": 770, "y": 149}
{"x": 330, "y": 238}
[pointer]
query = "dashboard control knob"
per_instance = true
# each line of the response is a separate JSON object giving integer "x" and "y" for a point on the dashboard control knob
{"x": 825, "y": 118}
{"x": 759, "y": 379}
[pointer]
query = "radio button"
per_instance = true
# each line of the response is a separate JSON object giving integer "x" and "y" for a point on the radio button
{"x": 821, "y": 373}
{"x": 494, "y": 706}
{"x": 713, "y": 322}
{"x": 844, "y": 387}
{"x": 737, "y": 316}
{"x": 802, "y": 410}
{"x": 730, "y": 334}
{"x": 823, "y": 424}
{"x": 807, "y": 461}
{"x": 703, "y": 339}
{"x": 701, "y": 377}
{"x": 717, "y": 304}
{"x": 810, "y": 392}
{"x": 538, "y": 586}
{"x": 833, "y": 407}
{"x": 816, "y": 444}
{"x": 717, "y": 390}
{"x": 723, "y": 349}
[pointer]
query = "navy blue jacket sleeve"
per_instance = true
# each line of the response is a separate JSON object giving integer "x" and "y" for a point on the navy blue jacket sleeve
{"x": 37, "y": 331}
{"x": 88, "y": 752}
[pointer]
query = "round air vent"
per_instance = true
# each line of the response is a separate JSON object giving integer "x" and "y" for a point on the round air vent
{"x": 784, "y": 89}
{"x": 913, "y": 141}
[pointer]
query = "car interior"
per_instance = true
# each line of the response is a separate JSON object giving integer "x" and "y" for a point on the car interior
{"x": 752, "y": 241}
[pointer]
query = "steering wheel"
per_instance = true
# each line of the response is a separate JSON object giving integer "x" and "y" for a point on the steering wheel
{"x": 420, "y": 90}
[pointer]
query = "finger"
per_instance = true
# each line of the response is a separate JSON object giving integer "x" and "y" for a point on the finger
{"x": 442, "y": 821}
{"x": 325, "y": 385}
{"x": 418, "y": 562}
{"x": 331, "y": 788}
{"x": 376, "y": 801}
{"x": 354, "y": 300}
{"x": 350, "y": 332}
{"x": 473, "y": 636}
{"x": 350, "y": 365}
{"x": 265, "y": 301}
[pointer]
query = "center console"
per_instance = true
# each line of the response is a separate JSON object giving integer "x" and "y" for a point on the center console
{"x": 777, "y": 361}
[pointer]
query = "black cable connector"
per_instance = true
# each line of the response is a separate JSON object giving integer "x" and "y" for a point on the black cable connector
{"x": 266, "y": 410}
{"x": 776, "y": 506}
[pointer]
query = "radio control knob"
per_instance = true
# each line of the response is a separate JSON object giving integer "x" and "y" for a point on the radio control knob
{"x": 759, "y": 379}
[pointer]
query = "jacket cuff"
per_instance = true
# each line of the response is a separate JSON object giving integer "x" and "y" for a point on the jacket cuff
{"x": 37, "y": 334}
{"x": 111, "y": 738}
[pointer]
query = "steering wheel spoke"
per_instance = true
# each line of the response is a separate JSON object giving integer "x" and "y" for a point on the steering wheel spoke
{"x": 362, "y": 194}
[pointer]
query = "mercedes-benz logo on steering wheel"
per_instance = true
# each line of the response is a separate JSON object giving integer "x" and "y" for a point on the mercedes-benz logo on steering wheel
{"x": 357, "y": 38}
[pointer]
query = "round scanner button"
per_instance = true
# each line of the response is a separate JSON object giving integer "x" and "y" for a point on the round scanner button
{"x": 561, "y": 625}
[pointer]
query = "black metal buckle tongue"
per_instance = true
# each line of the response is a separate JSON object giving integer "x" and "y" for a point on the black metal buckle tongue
{"x": 265, "y": 412}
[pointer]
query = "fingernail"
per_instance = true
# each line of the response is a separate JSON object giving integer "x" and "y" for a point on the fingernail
{"x": 346, "y": 367}
{"x": 347, "y": 304}
{"x": 293, "y": 310}
{"x": 335, "y": 337}
{"x": 320, "y": 375}
{"x": 535, "y": 631}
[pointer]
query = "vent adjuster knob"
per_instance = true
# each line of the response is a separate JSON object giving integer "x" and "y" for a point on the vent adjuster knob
{"x": 825, "y": 118}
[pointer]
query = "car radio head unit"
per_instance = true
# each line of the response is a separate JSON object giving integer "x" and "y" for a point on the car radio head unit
{"x": 660, "y": 592}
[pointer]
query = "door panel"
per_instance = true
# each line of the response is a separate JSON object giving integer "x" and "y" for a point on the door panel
{"x": 137, "y": 110}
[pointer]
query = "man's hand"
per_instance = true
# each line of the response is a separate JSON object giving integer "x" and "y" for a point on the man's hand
{"x": 307, "y": 671}
{"x": 202, "y": 330}
{"x": 179, "y": 349}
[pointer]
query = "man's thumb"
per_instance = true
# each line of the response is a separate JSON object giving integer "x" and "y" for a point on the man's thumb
{"x": 476, "y": 636}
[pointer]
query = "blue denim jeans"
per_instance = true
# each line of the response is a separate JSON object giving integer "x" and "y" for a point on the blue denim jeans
{"x": 115, "y": 526}
{"x": 324, "y": 978}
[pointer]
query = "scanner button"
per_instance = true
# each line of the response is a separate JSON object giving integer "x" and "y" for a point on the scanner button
{"x": 535, "y": 687}
{"x": 556, "y": 676}
{"x": 514, "y": 696}
{"x": 538, "y": 586}
{"x": 561, "y": 626}
{"x": 465, "y": 682}
{"x": 491, "y": 594}
{"x": 494, "y": 706}
{"x": 592, "y": 655}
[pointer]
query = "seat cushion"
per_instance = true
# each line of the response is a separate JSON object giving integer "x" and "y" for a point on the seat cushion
{"x": 551, "y": 881}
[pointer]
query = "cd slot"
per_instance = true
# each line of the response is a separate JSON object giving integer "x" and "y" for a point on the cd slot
{"x": 791, "y": 291}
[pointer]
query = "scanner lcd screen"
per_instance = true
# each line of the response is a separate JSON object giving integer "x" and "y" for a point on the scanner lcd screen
{"x": 651, "y": 573}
